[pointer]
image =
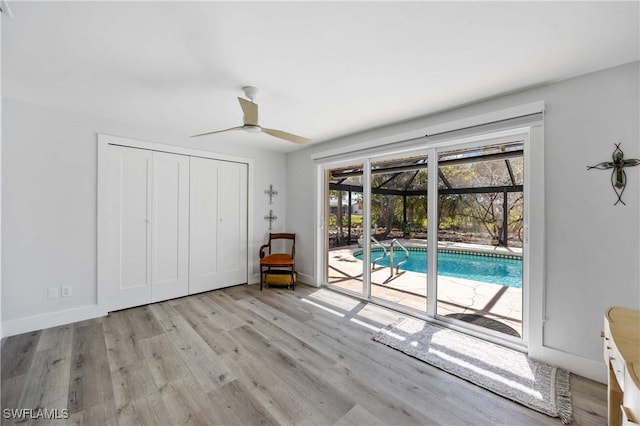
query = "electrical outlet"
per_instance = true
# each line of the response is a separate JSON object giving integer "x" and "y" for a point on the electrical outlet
{"x": 66, "y": 290}
{"x": 53, "y": 293}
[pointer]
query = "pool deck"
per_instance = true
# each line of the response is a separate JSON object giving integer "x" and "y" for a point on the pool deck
{"x": 455, "y": 295}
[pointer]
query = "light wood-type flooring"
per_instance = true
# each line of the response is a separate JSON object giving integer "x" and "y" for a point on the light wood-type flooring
{"x": 240, "y": 356}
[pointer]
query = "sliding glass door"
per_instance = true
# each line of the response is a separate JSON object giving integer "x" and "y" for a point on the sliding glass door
{"x": 456, "y": 258}
{"x": 480, "y": 236}
{"x": 398, "y": 217}
{"x": 343, "y": 208}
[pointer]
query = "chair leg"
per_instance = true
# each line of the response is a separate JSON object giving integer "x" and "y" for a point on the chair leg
{"x": 261, "y": 277}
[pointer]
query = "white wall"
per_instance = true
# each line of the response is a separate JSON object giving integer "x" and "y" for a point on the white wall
{"x": 591, "y": 247}
{"x": 49, "y": 196}
{"x": 1, "y": 18}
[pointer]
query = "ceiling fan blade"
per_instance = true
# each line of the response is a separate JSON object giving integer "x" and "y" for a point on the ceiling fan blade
{"x": 217, "y": 131}
{"x": 286, "y": 136}
{"x": 250, "y": 111}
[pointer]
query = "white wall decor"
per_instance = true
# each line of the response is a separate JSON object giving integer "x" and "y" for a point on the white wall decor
{"x": 618, "y": 175}
{"x": 271, "y": 193}
{"x": 270, "y": 218}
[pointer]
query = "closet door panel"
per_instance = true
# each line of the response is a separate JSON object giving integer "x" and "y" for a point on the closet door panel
{"x": 218, "y": 227}
{"x": 232, "y": 211}
{"x": 129, "y": 237}
{"x": 170, "y": 226}
{"x": 203, "y": 241}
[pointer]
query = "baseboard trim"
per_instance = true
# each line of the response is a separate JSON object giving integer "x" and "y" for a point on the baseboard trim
{"x": 594, "y": 370}
{"x": 307, "y": 279}
{"x": 53, "y": 319}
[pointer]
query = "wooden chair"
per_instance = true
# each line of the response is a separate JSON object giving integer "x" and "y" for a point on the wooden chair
{"x": 284, "y": 263}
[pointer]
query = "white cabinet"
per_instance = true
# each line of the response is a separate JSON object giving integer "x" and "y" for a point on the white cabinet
{"x": 176, "y": 225}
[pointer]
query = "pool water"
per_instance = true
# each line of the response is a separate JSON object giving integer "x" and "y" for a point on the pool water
{"x": 494, "y": 270}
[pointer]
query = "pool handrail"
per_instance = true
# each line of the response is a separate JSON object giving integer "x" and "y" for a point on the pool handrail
{"x": 402, "y": 262}
{"x": 384, "y": 254}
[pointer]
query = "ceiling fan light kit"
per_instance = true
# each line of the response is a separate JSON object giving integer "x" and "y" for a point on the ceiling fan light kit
{"x": 250, "y": 120}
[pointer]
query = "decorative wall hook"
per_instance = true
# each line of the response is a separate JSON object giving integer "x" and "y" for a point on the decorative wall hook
{"x": 618, "y": 175}
{"x": 271, "y": 193}
{"x": 271, "y": 218}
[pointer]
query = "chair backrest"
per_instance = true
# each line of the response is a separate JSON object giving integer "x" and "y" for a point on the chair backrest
{"x": 283, "y": 236}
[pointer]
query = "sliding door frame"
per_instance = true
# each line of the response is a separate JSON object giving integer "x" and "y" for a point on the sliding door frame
{"x": 433, "y": 228}
{"x": 532, "y": 135}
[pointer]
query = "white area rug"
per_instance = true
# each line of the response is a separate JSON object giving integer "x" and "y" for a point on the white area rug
{"x": 506, "y": 372}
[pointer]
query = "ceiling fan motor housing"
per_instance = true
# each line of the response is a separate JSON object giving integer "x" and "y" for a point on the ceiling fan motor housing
{"x": 251, "y": 92}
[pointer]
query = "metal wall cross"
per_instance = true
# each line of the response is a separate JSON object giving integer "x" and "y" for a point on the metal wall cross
{"x": 271, "y": 218}
{"x": 618, "y": 176}
{"x": 271, "y": 193}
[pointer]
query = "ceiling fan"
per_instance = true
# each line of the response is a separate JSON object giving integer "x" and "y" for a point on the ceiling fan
{"x": 250, "y": 119}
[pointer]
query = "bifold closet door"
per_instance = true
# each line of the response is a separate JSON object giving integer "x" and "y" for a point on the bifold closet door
{"x": 218, "y": 225}
{"x": 148, "y": 223}
{"x": 170, "y": 227}
{"x": 129, "y": 215}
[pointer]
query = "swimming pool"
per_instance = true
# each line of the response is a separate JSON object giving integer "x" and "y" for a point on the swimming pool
{"x": 506, "y": 271}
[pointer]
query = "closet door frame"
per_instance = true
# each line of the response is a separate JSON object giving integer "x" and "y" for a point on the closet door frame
{"x": 103, "y": 260}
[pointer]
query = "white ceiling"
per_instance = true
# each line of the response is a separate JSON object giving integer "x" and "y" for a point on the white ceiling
{"x": 326, "y": 69}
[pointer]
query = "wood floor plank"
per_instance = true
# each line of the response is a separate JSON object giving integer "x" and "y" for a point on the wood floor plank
{"x": 587, "y": 396}
{"x": 303, "y": 353}
{"x": 57, "y": 338}
{"x": 274, "y": 297}
{"x": 382, "y": 401}
{"x": 280, "y": 400}
{"x": 301, "y": 380}
{"x": 143, "y": 322}
{"x": 17, "y": 354}
{"x": 95, "y": 415}
{"x": 359, "y": 416}
{"x": 245, "y": 356}
{"x": 90, "y": 377}
{"x": 187, "y": 403}
{"x": 209, "y": 322}
{"x": 218, "y": 313}
{"x": 122, "y": 346}
{"x": 164, "y": 361}
{"x": 235, "y": 404}
{"x": 132, "y": 382}
{"x": 144, "y": 411}
{"x": 47, "y": 382}
{"x": 202, "y": 361}
{"x": 215, "y": 336}
{"x": 218, "y": 340}
{"x": 12, "y": 388}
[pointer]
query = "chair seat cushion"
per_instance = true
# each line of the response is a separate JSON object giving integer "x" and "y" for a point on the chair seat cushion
{"x": 277, "y": 259}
